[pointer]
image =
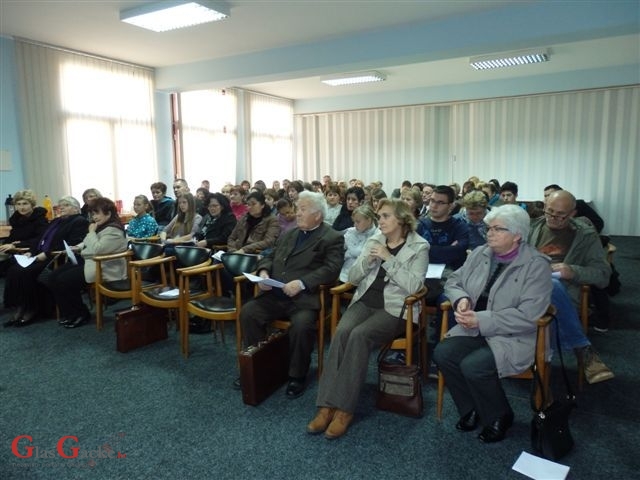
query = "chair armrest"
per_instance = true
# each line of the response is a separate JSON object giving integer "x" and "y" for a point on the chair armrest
{"x": 547, "y": 317}
{"x": 113, "y": 256}
{"x": 152, "y": 239}
{"x": 152, "y": 261}
{"x": 414, "y": 297}
{"x": 340, "y": 289}
{"x": 190, "y": 270}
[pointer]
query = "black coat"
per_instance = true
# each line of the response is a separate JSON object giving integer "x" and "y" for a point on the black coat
{"x": 216, "y": 231}
{"x": 71, "y": 229}
{"x": 27, "y": 230}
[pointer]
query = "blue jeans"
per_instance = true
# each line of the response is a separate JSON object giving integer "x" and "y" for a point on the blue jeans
{"x": 570, "y": 328}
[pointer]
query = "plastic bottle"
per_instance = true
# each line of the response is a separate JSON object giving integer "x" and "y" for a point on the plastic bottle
{"x": 46, "y": 203}
{"x": 8, "y": 205}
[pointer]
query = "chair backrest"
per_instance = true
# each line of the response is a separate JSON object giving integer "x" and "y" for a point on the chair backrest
{"x": 144, "y": 250}
{"x": 238, "y": 263}
{"x": 190, "y": 256}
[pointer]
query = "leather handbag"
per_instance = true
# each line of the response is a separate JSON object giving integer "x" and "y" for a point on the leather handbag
{"x": 399, "y": 388}
{"x": 550, "y": 434}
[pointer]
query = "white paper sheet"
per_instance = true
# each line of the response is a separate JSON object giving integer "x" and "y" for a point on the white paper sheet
{"x": 218, "y": 255}
{"x": 555, "y": 275}
{"x": 174, "y": 292}
{"x": 24, "y": 261}
{"x": 539, "y": 468}
{"x": 435, "y": 270}
{"x": 70, "y": 255}
{"x": 266, "y": 281}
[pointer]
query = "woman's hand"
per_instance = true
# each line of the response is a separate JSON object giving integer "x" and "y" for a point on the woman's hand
{"x": 379, "y": 252}
{"x": 41, "y": 257}
{"x": 466, "y": 318}
{"x": 93, "y": 227}
{"x": 201, "y": 243}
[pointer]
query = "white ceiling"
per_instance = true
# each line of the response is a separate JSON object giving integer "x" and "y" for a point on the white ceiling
{"x": 268, "y": 25}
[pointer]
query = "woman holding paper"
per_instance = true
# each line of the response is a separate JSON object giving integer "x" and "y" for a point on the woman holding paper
{"x": 106, "y": 236}
{"x": 392, "y": 266}
{"x": 28, "y": 223}
{"x": 21, "y": 286}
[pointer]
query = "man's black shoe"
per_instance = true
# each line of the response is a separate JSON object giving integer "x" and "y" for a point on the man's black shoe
{"x": 295, "y": 388}
{"x": 497, "y": 430}
{"x": 468, "y": 422}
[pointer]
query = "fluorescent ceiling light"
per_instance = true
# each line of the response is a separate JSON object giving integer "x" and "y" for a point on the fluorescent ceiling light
{"x": 353, "y": 78}
{"x": 509, "y": 59}
{"x": 169, "y": 15}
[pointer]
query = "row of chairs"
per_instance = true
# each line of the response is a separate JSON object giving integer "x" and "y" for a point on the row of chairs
{"x": 198, "y": 292}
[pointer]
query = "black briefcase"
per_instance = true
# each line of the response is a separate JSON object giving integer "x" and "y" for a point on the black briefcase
{"x": 264, "y": 367}
{"x": 140, "y": 325}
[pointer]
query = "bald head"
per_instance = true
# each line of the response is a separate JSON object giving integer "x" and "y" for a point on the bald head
{"x": 563, "y": 197}
{"x": 559, "y": 208}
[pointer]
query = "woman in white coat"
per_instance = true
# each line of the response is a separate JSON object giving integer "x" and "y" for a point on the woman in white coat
{"x": 391, "y": 266}
{"x": 497, "y": 296}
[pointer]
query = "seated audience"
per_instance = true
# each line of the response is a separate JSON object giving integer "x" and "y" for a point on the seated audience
{"x": 333, "y": 197}
{"x": 353, "y": 198}
{"x": 365, "y": 224}
{"x": 237, "y": 200}
{"x": 286, "y": 215}
{"x": 21, "y": 285}
{"x": 271, "y": 198}
{"x": 497, "y": 297}
{"x": 577, "y": 258}
{"x": 294, "y": 190}
{"x": 143, "y": 225}
{"x": 185, "y": 224}
{"x": 448, "y": 237}
{"x": 391, "y": 266}
{"x": 582, "y": 208}
{"x": 474, "y": 208}
{"x": 218, "y": 224}
{"x": 106, "y": 236}
{"x": 163, "y": 206}
{"x": 88, "y": 196}
{"x": 427, "y": 191}
{"x": 377, "y": 195}
{"x": 255, "y": 231}
{"x": 304, "y": 258}
{"x": 509, "y": 194}
{"x": 28, "y": 223}
{"x": 180, "y": 186}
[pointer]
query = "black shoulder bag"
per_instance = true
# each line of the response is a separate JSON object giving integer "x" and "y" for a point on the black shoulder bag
{"x": 550, "y": 434}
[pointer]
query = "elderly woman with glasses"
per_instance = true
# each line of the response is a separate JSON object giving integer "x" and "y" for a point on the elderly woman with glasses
{"x": 497, "y": 297}
{"x": 22, "y": 282}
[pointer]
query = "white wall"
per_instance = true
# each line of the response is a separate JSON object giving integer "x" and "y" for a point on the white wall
{"x": 586, "y": 141}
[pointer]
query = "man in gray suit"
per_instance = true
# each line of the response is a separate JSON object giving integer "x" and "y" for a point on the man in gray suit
{"x": 303, "y": 258}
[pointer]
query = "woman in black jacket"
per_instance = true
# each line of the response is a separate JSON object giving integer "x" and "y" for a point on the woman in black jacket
{"x": 218, "y": 224}
{"x": 353, "y": 198}
{"x": 28, "y": 223}
{"x": 21, "y": 287}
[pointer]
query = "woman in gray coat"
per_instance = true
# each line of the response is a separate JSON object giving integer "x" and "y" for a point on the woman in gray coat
{"x": 392, "y": 266}
{"x": 497, "y": 296}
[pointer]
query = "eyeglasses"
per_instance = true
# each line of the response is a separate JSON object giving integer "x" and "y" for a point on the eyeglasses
{"x": 214, "y": 205}
{"x": 438, "y": 202}
{"x": 555, "y": 217}
{"x": 497, "y": 229}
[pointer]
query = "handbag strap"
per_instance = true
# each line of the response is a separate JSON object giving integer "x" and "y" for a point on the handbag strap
{"x": 536, "y": 373}
{"x": 384, "y": 350}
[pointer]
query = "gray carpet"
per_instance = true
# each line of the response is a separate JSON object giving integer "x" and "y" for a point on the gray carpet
{"x": 176, "y": 418}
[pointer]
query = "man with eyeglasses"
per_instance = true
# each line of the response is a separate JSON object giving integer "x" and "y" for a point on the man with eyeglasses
{"x": 577, "y": 258}
{"x": 447, "y": 235}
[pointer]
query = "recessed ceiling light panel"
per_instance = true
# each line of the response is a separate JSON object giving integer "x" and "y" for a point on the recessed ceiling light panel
{"x": 353, "y": 78}
{"x": 509, "y": 59}
{"x": 170, "y": 15}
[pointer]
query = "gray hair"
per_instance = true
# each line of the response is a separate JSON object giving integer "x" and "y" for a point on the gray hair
{"x": 70, "y": 201}
{"x": 317, "y": 201}
{"x": 514, "y": 217}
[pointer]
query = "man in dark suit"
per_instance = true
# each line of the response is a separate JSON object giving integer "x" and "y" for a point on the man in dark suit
{"x": 303, "y": 258}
